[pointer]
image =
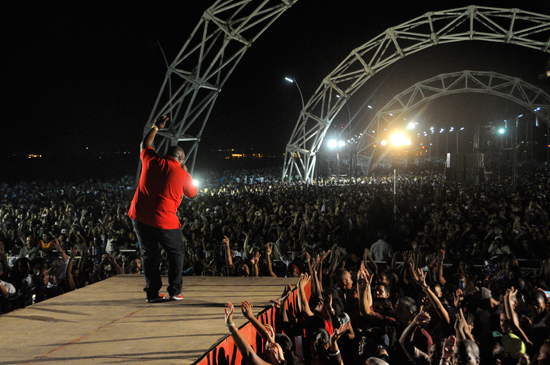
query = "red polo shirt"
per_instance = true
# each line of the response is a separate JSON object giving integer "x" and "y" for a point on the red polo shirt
{"x": 162, "y": 184}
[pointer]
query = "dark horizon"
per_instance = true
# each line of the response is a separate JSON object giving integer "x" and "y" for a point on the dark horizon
{"x": 89, "y": 79}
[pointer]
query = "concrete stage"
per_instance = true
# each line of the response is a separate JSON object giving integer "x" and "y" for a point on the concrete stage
{"x": 110, "y": 323}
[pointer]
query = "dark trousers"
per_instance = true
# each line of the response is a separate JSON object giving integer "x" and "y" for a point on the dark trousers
{"x": 172, "y": 241}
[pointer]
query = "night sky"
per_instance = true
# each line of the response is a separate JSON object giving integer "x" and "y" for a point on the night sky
{"x": 87, "y": 75}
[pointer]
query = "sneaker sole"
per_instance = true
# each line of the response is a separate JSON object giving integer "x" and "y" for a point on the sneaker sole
{"x": 158, "y": 299}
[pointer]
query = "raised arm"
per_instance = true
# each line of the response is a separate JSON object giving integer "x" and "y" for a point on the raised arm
{"x": 70, "y": 279}
{"x": 60, "y": 250}
{"x": 242, "y": 344}
{"x": 304, "y": 278}
{"x": 113, "y": 262}
{"x": 363, "y": 285}
{"x": 150, "y": 136}
{"x": 369, "y": 261}
{"x": 406, "y": 339}
{"x": 245, "y": 246}
{"x": 228, "y": 258}
{"x": 255, "y": 261}
{"x": 462, "y": 328}
{"x": 246, "y": 308}
{"x": 419, "y": 278}
{"x": 316, "y": 285}
{"x": 334, "y": 351}
{"x": 509, "y": 299}
{"x": 268, "y": 250}
{"x": 320, "y": 269}
{"x": 440, "y": 259}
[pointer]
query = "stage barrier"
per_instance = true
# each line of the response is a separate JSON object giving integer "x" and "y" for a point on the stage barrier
{"x": 226, "y": 352}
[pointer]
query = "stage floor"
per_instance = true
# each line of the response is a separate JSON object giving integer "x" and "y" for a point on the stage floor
{"x": 110, "y": 323}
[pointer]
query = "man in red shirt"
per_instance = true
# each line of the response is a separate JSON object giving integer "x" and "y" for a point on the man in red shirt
{"x": 162, "y": 184}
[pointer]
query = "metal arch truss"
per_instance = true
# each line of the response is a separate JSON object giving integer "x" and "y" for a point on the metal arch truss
{"x": 488, "y": 83}
{"x": 511, "y": 26}
{"x": 196, "y": 76}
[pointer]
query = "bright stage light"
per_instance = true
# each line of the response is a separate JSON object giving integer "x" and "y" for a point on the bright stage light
{"x": 399, "y": 139}
{"x": 332, "y": 143}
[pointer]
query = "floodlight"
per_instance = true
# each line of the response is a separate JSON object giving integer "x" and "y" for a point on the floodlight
{"x": 398, "y": 139}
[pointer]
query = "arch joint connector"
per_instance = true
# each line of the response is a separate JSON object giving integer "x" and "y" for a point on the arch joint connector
{"x": 225, "y": 27}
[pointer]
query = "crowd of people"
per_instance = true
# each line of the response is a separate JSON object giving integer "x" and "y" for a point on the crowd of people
{"x": 441, "y": 272}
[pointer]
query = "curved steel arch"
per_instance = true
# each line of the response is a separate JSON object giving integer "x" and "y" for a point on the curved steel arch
{"x": 488, "y": 83}
{"x": 512, "y": 26}
{"x": 196, "y": 76}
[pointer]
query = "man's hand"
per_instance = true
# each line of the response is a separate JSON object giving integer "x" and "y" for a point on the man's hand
{"x": 338, "y": 332}
{"x": 422, "y": 319}
{"x": 225, "y": 242}
{"x": 419, "y": 277}
{"x": 304, "y": 278}
{"x": 57, "y": 245}
{"x": 270, "y": 333}
{"x": 246, "y": 307}
{"x": 364, "y": 279}
{"x": 150, "y": 136}
{"x": 256, "y": 259}
{"x": 276, "y": 353}
{"x": 324, "y": 255}
{"x": 161, "y": 121}
{"x": 448, "y": 347}
{"x": 229, "y": 309}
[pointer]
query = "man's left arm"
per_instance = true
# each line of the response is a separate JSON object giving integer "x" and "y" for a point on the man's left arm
{"x": 189, "y": 190}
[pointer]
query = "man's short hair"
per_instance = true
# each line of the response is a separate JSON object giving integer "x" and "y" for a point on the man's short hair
{"x": 381, "y": 235}
{"x": 467, "y": 343}
{"x": 409, "y": 302}
{"x": 174, "y": 151}
{"x": 341, "y": 274}
{"x": 385, "y": 285}
{"x": 376, "y": 361}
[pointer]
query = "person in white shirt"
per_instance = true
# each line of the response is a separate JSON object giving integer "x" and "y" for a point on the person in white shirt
{"x": 498, "y": 247}
{"x": 381, "y": 250}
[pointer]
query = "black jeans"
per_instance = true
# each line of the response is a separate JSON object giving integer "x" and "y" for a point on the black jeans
{"x": 172, "y": 241}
